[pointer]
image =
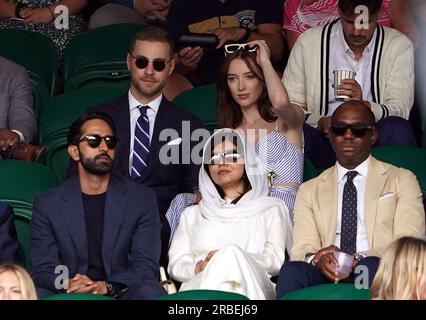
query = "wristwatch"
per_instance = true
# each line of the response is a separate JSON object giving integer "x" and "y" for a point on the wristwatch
{"x": 359, "y": 256}
{"x": 115, "y": 290}
{"x": 19, "y": 7}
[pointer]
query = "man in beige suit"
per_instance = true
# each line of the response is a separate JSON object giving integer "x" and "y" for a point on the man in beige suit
{"x": 358, "y": 206}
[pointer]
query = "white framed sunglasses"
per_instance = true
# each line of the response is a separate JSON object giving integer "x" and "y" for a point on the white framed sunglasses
{"x": 229, "y": 156}
{"x": 233, "y": 47}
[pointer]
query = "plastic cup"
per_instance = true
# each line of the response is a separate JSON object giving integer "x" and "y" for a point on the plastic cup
{"x": 339, "y": 75}
{"x": 345, "y": 263}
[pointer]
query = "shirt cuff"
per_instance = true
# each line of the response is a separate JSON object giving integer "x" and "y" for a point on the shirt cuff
{"x": 21, "y": 136}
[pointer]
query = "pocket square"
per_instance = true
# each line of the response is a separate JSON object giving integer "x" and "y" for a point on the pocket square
{"x": 174, "y": 142}
{"x": 386, "y": 195}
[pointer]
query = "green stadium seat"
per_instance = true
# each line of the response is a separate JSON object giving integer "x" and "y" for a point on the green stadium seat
{"x": 411, "y": 158}
{"x": 200, "y": 101}
{"x": 309, "y": 171}
{"x": 20, "y": 183}
{"x": 57, "y": 117}
{"x": 340, "y": 291}
{"x": 203, "y": 295}
{"x": 76, "y": 296}
{"x": 35, "y": 52}
{"x": 98, "y": 57}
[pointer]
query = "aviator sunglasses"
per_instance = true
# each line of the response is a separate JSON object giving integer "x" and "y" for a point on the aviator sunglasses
{"x": 94, "y": 141}
{"x": 358, "y": 130}
{"x": 230, "y": 156}
{"x": 142, "y": 62}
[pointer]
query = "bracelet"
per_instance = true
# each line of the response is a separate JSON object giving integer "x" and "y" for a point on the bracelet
{"x": 51, "y": 12}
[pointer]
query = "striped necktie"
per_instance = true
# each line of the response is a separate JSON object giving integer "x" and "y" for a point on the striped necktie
{"x": 349, "y": 215}
{"x": 140, "y": 144}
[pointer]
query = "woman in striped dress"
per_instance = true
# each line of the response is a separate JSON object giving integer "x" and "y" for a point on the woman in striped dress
{"x": 253, "y": 100}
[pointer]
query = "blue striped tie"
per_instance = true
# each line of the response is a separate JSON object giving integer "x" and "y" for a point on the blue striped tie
{"x": 140, "y": 144}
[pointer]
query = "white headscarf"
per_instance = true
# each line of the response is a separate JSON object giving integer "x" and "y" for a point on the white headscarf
{"x": 213, "y": 207}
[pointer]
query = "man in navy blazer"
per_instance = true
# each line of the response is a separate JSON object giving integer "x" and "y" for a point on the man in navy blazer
{"x": 150, "y": 63}
{"x": 8, "y": 240}
{"x": 96, "y": 233}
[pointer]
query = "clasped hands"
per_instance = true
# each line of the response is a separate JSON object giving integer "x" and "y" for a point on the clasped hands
{"x": 83, "y": 284}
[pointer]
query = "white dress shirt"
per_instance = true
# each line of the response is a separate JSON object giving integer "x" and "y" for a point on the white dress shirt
{"x": 341, "y": 56}
{"x": 134, "y": 115}
{"x": 359, "y": 182}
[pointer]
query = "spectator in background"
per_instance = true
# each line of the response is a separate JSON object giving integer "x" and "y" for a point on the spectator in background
{"x": 17, "y": 119}
{"x": 8, "y": 239}
{"x": 232, "y": 21}
{"x": 16, "y": 283}
{"x": 300, "y": 15}
{"x": 402, "y": 271}
{"x": 130, "y": 11}
{"x": 39, "y": 16}
{"x": 383, "y": 61}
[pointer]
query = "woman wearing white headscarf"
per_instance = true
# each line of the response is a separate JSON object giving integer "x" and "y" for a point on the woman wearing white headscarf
{"x": 235, "y": 238}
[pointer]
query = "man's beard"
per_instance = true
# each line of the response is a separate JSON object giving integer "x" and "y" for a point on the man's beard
{"x": 95, "y": 167}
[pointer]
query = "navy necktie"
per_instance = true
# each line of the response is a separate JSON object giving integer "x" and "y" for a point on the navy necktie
{"x": 349, "y": 215}
{"x": 140, "y": 144}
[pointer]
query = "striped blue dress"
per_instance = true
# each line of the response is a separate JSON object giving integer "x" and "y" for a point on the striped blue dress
{"x": 281, "y": 158}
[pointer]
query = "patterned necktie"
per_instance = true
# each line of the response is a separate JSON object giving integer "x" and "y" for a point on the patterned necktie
{"x": 140, "y": 144}
{"x": 349, "y": 215}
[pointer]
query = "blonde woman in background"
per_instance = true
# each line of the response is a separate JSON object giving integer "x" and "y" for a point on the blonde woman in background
{"x": 402, "y": 271}
{"x": 16, "y": 283}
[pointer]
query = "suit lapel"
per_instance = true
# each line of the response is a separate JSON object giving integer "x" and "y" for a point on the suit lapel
{"x": 375, "y": 183}
{"x": 327, "y": 198}
{"x": 73, "y": 212}
{"x": 115, "y": 206}
{"x": 122, "y": 122}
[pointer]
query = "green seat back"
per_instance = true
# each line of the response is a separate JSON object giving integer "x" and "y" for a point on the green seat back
{"x": 57, "y": 117}
{"x": 309, "y": 171}
{"x": 98, "y": 57}
{"x": 200, "y": 101}
{"x": 411, "y": 158}
{"x": 34, "y": 51}
{"x": 423, "y": 121}
{"x": 340, "y": 291}
{"x": 20, "y": 183}
{"x": 203, "y": 295}
{"x": 76, "y": 296}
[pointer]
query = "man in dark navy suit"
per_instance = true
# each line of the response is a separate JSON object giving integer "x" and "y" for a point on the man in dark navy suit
{"x": 144, "y": 110}
{"x": 96, "y": 233}
{"x": 8, "y": 240}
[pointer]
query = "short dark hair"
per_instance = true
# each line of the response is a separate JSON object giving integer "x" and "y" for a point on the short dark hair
{"x": 74, "y": 134}
{"x": 347, "y": 7}
{"x": 156, "y": 34}
{"x": 359, "y": 105}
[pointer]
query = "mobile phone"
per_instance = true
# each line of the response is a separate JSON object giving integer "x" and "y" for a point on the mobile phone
{"x": 203, "y": 40}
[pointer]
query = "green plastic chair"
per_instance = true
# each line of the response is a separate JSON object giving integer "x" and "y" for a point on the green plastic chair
{"x": 203, "y": 295}
{"x": 76, "y": 296}
{"x": 200, "y": 101}
{"x": 309, "y": 171}
{"x": 98, "y": 57}
{"x": 20, "y": 183}
{"x": 340, "y": 291}
{"x": 57, "y": 117}
{"x": 35, "y": 52}
{"x": 411, "y": 158}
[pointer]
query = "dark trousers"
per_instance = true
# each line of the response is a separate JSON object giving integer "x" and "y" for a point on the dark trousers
{"x": 392, "y": 131}
{"x": 295, "y": 275}
{"x": 145, "y": 290}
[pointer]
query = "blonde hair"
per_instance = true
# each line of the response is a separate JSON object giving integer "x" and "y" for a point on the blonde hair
{"x": 402, "y": 271}
{"x": 25, "y": 282}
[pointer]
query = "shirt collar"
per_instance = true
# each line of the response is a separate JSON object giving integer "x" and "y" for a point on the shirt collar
{"x": 345, "y": 46}
{"x": 153, "y": 105}
{"x": 362, "y": 169}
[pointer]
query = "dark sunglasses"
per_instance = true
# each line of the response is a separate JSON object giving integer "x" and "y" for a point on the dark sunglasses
{"x": 230, "y": 156}
{"x": 142, "y": 62}
{"x": 95, "y": 140}
{"x": 358, "y": 130}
